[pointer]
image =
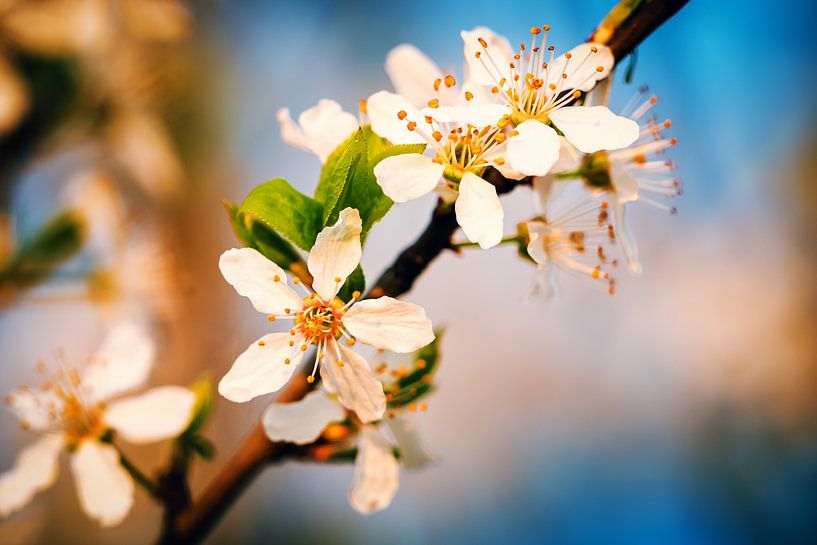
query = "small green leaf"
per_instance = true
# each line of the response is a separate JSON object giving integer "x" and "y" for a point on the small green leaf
{"x": 355, "y": 282}
{"x": 348, "y": 180}
{"x": 254, "y": 234}
{"x": 57, "y": 241}
{"x": 282, "y": 208}
{"x": 203, "y": 390}
{"x": 418, "y": 382}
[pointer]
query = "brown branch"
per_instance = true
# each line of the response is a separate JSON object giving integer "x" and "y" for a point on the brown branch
{"x": 623, "y": 30}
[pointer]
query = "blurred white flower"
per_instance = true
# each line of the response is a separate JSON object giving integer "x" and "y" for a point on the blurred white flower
{"x": 538, "y": 89}
{"x": 320, "y": 318}
{"x": 574, "y": 237}
{"x": 376, "y": 467}
{"x": 320, "y": 129}
{"x": 465, "y": 140}
{"x": 73, "y": 411}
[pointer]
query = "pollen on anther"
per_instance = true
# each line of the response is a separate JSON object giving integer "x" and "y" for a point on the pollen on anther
{"x": 401, "y": 115}
{"x": 291, "y": 343}
{"x": 450, "y": 81}
{"x": 287, "y": 311}
{"x": 535, "y": 30}
{"x": 310, "y": 379}
{"x": 437, "y": 83}
{"x": 546, "y": 28}
{"x": 296, "y": 280}
{"x": 482, "y": 42}
{"x": 411, "y": 125}
{"x": 362, "y": 105}
{"x": 262, "y": 343}
{"x": 303, "y": 348}
{"x": 667, "y": 124}
{"x": 673, "y": 141}
{"x": 270, "y": 318}
{"x": 495, "y": 90}
{"x": 594, "y": 49}
{"x": 287, "y": 361}
{"x": 599, "y": 69}
{"x": 469, "y": 95}
{"x": 276, "y": 278}
{"x": 340, "y": 363}
{"x": 434, "y": 103}
{"x": 437, "y": 135}
{"x": 350, "y": 342}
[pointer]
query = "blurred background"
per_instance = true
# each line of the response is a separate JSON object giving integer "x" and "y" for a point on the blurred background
{"x": 681, "y": 410}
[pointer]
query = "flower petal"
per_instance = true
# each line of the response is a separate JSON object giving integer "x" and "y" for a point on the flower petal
{"x": 382, "y": 108}
{"x": 301, "y": 422}
{"x": 411, "y": 73}
{"x": 479, "y": 211}
{"x": 542, "y": 192}
{"x": 544, "y": 282}
{"x": 158, "y": 414}
{"x": 478, "y": 115}
{"x": 254, "y": 276}
{"x": 357, "y": 387}
{"x": 291, "y": 132}
{"x": 34, "y": 407}
{"x": 326, "y": 126}
{"x": 409, "y": 176}
{"x": 389, "y": 324}
{"x": 595, "y": 128}
{"x": 104, "y": 487}
{"x": 262, "y": 368}
{"x": 624, "y": 185}
{"x": 336, "y": 253}
{"x": 413, "y": 452}
{"x": 122, "y": 363}
{"x": 582, "y": 68}
{"x": 35, "y": 470}
{"x": 535, "y": 149}
{"x": 537, "y": 230}
{"x": 377, "y": 473}
{"x": 626, "y": 239}
{"x": 499, "y": 51}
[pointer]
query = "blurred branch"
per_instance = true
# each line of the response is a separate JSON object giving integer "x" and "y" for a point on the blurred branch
{"x": 626, "y": 26}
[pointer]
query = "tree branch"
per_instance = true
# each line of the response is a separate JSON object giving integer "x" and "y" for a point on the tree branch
{"x": 623, "y": 29}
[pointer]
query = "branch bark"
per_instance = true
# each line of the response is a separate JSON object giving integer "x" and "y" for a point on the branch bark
{"x": 623, "y": 29}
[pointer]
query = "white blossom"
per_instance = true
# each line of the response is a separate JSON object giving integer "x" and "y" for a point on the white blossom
{"x": 320, "y": 318}
{"x": 75, "y": 410}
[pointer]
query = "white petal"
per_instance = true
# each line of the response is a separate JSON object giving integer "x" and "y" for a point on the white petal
{"x": 291, "y": 133}
{"x": 624, "y": 185}
{"x": 595, "y": 128}
{"x": 535, "y": 149}
{"x": 626, "y": 239}
{"x": 301, "y": 422}
{"x": 479, "y": 211}
{"x": 409, "y": 176}
{"x": 357, "y": 387}
{"x": 35, "y": 470}
{"x": 33, "y": 407}
{"x": 499, "y": 51}
{"x": 537, "y": 231}
{"x": 262, "y": 368}
{"x": 413, "y": 452}
{"x": 478, "y": 115}
{"x": 582, "y": 68}
{"x": 377, "y": 473}
{"x": 254, "y": 276}
{"x": 158, "y": 414}
{"x": 336, "y": 253}
{"x": 382, "y": 108}
{"x": 389, "y": 324}
{"x": 544, "y": 282}
{"x": 412, "y": 74}
{"x": 326, "y": 126}
{"x": 122, "y": 363}
{"x": 104, "y": 487}
{"x": 542, "y": 191}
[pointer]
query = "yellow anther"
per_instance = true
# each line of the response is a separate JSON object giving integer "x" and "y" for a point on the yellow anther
{"x": 270, "y": 318}
{"x": 482, "y": 42}
{"x": 350, "y": 342}
{"x": 287, "y": 361}
{"x": 296, "y": 280}
{"x": 340, "y": 363}
{"x": 276, "y": 278}
{"x": 310, "y": 379}
{"x": 362, "y": 106}
{"x": 469, "y": 95}
{"x": 437, "y": 83}
{"x": 401, "y": 115}
{"x": 355, "y": 294}
{"x": 450, "y": 81}
{"x": 262, "y": 343}
{"x": 535, "y": 30}
{"x": 434, "y": 103}
{"x": 303, "y": 348}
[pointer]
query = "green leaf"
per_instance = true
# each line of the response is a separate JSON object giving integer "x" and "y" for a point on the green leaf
{"x": 254, "y": 234}
{"x": 348, "y": 180}
{"x": 57, "y": 241}
{"x": 418, "y": 382}
{"x": 280, "y": 207}
{"x": 203, "y": 390}
{"x": 355, "y": 282}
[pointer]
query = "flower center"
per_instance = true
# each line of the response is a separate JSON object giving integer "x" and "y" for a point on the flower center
{"x": 319, "y": 321}
{"x": 595, "y": 170}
